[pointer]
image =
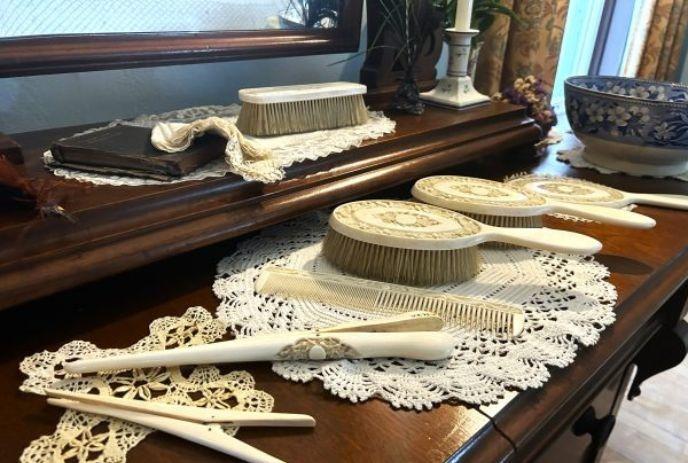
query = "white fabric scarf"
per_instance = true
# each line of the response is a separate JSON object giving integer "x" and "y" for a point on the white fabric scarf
{"x": 247, "y": 158}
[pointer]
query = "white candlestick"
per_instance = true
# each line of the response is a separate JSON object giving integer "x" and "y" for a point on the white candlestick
{"x": 456, "y": 89}
{"x": 464, "y": 10}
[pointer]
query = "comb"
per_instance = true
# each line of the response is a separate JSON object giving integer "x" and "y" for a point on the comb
{"x": 385, "y": 299}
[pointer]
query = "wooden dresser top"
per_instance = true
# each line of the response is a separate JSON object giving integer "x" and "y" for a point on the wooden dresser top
{"x": 647, "y": 267}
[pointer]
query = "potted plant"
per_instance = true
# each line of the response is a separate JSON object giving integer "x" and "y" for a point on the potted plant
{"x": 412, "y": 24}
{"x": 321, "y": 14}
{"x": 405, "y": 33}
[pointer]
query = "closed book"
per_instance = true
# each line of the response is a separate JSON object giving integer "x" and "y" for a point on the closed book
{"x": 125, "y": 149}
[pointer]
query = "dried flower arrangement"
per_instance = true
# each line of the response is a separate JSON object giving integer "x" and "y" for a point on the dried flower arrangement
{"x": 530, "y": 92}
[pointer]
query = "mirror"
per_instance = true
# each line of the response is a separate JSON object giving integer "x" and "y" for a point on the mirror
{"x": 49, "y": 36}
{"x": 59, "y": 17}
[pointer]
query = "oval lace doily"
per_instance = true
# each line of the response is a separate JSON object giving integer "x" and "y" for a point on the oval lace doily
{"x": 565, "y": 298}
{"x": 288, "y": 149}
{"x": 83, "y": 437}
{"x": 575, "y": 158}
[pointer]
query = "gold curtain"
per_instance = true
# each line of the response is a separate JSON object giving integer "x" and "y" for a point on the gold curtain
{"x": 513, "y": 50}
{"x": 663, "y": 48}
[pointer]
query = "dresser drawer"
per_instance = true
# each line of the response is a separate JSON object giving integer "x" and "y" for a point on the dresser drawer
{"x": 588, "y": 432}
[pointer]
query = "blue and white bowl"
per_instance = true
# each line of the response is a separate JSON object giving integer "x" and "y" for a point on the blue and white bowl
{"x": 630, "y": 125}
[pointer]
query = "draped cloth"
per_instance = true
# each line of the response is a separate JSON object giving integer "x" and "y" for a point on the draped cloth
{"x": 513, "y": 50}
{"x": 663, "y": 48}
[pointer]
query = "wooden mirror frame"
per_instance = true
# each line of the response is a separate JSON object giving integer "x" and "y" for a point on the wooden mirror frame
{"x": 53, "y": 54}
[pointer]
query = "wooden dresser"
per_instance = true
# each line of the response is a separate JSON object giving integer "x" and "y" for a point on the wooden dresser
{"x": 158, "y": 247}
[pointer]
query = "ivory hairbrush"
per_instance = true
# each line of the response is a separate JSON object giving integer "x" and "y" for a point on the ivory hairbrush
{"x": 422, "y": 245}
{"x": 268, "y": 111}
{"x": 499, "y": 204}
{"x": 412, "y": 335}
{"x": 384, "y": 298}
{"x": 573, "y": 190}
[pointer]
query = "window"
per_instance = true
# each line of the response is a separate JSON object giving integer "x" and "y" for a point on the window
{"x": 601, "y": 37}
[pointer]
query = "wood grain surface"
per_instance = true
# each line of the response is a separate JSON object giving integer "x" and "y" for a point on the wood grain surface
{"x": 647, "y": 266}
{"x": 120, "y": 228}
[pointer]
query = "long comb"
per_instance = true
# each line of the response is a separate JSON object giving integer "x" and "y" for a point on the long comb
{"x": 385, "y": 299}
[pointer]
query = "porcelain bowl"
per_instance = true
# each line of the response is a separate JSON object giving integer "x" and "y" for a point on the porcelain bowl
{"x": 631, "y": 125}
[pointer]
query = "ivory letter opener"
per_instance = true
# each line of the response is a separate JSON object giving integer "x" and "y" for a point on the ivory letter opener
{"x": 189, "y": 423}
{"x": 413, "y": 335}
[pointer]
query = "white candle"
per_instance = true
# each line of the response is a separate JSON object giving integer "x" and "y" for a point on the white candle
{"x": 464, "y": 9}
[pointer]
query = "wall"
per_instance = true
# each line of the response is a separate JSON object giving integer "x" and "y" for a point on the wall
{"x": 38, "y": 102}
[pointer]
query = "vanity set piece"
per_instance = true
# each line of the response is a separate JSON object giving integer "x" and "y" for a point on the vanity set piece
{"x": 312, "y": 276}
{"x": 401, "y": 272}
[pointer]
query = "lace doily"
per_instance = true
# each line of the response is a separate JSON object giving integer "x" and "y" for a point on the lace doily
{"x": 83, "y": 437}
{"x": 288, "y": 149}
{"x": 565, "y": 298}
{"x": 575, "y": 158}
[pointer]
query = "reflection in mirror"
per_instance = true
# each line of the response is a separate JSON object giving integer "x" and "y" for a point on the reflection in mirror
{"x": 22, "y": 18}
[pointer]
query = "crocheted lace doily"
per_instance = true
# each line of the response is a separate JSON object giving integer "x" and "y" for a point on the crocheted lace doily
{"x": 83, "y": 437}
{"x": 288, "y": 149}
{"x": 565, "y": 298}
{"x": 575, "y": 158}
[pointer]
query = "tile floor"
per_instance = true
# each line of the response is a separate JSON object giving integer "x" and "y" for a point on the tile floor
{"x": 653, "y": 428}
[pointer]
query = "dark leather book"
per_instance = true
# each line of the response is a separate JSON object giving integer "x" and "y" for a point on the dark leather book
{"x": 124, "y": 149}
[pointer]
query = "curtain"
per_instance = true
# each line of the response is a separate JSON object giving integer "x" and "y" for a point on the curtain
{"x": 512, "y": 50}
{"x": 663, "y": 50}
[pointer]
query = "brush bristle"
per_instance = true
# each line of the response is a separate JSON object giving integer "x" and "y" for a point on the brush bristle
{"x": 384, "y": 299}
{"x": 270, "y": 119}
{"x": 533, "y": 221}
{"x": 396, "y": 265}
{"x": 516, "y": 175}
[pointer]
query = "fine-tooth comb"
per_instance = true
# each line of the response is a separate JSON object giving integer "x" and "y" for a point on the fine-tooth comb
{"x": 385, "y": 298}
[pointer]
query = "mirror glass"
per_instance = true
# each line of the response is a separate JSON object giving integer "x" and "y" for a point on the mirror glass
{"x": 23, "y": 18}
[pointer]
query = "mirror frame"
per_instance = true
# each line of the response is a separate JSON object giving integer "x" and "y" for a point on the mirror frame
{"x": 53, "y": 54}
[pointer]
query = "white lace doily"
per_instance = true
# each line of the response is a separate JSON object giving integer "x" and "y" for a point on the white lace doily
{"x": 575, "y": 158}
{"x": 565, "y": 298}
{"x": 288, "y": 149}
{"x": 83, "y": 437}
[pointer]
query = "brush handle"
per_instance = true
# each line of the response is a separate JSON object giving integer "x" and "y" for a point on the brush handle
{"x": 300, "y": 92}
{"x": 419, "y": 345}
{"x": 544, "y": 238}
{"x": 671, "y": 201}
{"x": 603, "y": 214}
{"x": 210, "y": 437}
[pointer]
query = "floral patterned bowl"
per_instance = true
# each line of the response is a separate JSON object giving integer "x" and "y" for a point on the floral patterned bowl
{"x": 631, "y": 125}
